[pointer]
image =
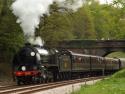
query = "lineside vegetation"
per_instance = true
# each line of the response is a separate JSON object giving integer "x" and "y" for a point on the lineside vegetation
{"x": 113, "y": 85}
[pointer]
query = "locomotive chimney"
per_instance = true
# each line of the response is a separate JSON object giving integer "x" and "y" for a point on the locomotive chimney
{"x": 27, "y": 44}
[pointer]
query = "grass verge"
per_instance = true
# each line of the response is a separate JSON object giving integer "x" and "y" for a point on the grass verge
{"x": 113, "y": 85}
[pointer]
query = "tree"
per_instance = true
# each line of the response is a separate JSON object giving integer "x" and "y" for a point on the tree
{"x": 106, "y": 20}
{"x": 56, "y": 27}
{"x": 11, "y": 36}
{"x": 83, "y": 26}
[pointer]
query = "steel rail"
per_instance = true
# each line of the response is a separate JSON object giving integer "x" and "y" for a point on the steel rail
{"x": 40, "y": 87}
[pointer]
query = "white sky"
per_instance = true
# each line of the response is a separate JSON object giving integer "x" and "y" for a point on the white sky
{"x": 105, "y": 1}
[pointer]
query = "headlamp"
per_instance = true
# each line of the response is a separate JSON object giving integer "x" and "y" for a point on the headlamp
{"x": 32, "y": 53}
{"x": 23, "y": 68}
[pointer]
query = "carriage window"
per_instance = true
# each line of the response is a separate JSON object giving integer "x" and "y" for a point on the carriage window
{"x": 78, "y": 60}
{"x": 93, "y": 60}
{"x": 82, "y": 60}
{"x": 98, "y": 60}
{"x": 85, "y": 59}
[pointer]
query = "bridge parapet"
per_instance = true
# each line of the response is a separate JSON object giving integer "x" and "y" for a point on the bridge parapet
{"x": 92, "y": 43}
{"x": 94, "y": 47}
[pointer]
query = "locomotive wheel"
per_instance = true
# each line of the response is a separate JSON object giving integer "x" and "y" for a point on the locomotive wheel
{"x": 51, "y": 80}
{"x": 18, "y": 82}
{"x": 60, "y": 76}
{"x": 25, "y": 83}
{"x": 39, "y": 80}
{"x": 46, "y": 80}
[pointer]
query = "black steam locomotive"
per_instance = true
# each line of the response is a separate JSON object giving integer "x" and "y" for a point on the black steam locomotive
{"x": 35, "y": 64}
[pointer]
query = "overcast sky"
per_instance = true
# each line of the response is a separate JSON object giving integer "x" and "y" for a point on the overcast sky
{"x": 105, "y": 1}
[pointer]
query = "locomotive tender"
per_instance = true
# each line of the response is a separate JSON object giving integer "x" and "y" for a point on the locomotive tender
{"x": 37, "y": 64}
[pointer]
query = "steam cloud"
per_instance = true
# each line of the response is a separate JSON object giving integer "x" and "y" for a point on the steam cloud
{"x": 36, "y": 41}
{"x": 29, "y": 13}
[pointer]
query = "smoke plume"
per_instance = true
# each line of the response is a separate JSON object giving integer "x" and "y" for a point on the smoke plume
{"x": 36, "y": 41}
{"x": 29, "y": 12}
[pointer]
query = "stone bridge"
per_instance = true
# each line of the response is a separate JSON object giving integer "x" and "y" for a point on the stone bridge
{"x": 94, "y": 47}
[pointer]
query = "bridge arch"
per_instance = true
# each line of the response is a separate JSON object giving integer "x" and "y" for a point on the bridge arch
{"x": 113, "y": 54}
{"x": 110, "y": 50}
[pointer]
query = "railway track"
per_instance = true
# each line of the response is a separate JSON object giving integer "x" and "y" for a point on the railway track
{"x": 36, "y": 88}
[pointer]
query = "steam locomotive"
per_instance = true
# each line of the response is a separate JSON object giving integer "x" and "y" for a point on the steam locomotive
{"x": 35, "y": 64}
